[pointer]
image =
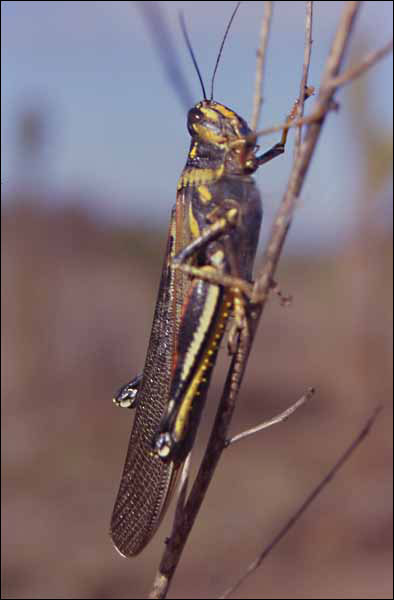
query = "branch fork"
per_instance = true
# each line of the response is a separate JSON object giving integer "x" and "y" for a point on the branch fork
{"x": 188, "y": 507}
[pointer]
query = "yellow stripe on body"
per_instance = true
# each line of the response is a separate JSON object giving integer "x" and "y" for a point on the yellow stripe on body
{"x": 205, "y": 364}
{"x": 197, "y": 177}
{"x": 193, "y": 151}
{"x": 201, "y": 330}
{"x": 193, "y": 224}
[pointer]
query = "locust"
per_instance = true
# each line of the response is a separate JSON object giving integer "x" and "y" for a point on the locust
{"x": 207, "y": 272}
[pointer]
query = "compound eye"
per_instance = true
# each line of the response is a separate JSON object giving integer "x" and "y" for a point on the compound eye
{"x": 204, "y": 125}
{"x": 194, "y": 116}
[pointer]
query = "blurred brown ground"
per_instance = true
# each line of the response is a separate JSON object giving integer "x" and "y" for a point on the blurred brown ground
{"x": 77, "y": 304}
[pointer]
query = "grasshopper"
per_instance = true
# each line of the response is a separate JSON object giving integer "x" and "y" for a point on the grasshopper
{"x": 205, "y": 281}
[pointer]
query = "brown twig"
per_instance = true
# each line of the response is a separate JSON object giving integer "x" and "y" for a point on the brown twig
{"x": 368, "y": 62}
{"x": 186, "y": 516}
{"x": 336, "y": 82}
{"x": 260, "y": 65}
{"x": 312, "y": 118}
{"x": 303, "y": 159}
{"x": 307, "y": 502}
{"x": 161, "y": 583}
{"x": 184, "y": 482}
{"x": 283, "y": 416}
{"x": 305, "y": 70}
{"x": 217, "y": 442}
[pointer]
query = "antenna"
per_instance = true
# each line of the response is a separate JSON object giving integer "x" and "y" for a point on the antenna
{"x": 189, "y": 46}
{"x": 222, "y": 45}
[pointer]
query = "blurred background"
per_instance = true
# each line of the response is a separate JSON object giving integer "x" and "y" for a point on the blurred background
{"x": 93, "y": 141}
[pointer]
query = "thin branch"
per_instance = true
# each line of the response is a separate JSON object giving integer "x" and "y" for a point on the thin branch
{"x": 312, "y": 118}
{"x": 184, "y": 481}
{"x": 307, "y": 502}
{"x": 216, "y": 445}
{"x": 217, "y": 441}
{"x": 336, "y": 82}
{"x": 305, "y": 70}
{"x": 162, "y": 582}
{"x": 303, "y": 159}
{"x": 260, "y": 64}
{"x": 277, "y": 419}
{"x": 368, "y": 62}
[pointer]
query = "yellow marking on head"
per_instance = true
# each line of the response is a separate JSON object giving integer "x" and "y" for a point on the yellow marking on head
{"x": 193, "y": 224}
{"x": 210, "y": 113}
{"x": 226, "y": 112}
{"x": 205, "y": 194}
{"x": 208, "y": 135}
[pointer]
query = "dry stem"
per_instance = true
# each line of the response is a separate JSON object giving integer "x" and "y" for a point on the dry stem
{"x": 307, "y": 502}
{"x": 283, "y": 416}
{"x": 186, "y": 514}
{"x": 260, "y": 66}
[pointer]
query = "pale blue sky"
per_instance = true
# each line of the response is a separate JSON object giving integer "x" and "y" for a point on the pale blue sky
{"x": 118, "y": 131}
